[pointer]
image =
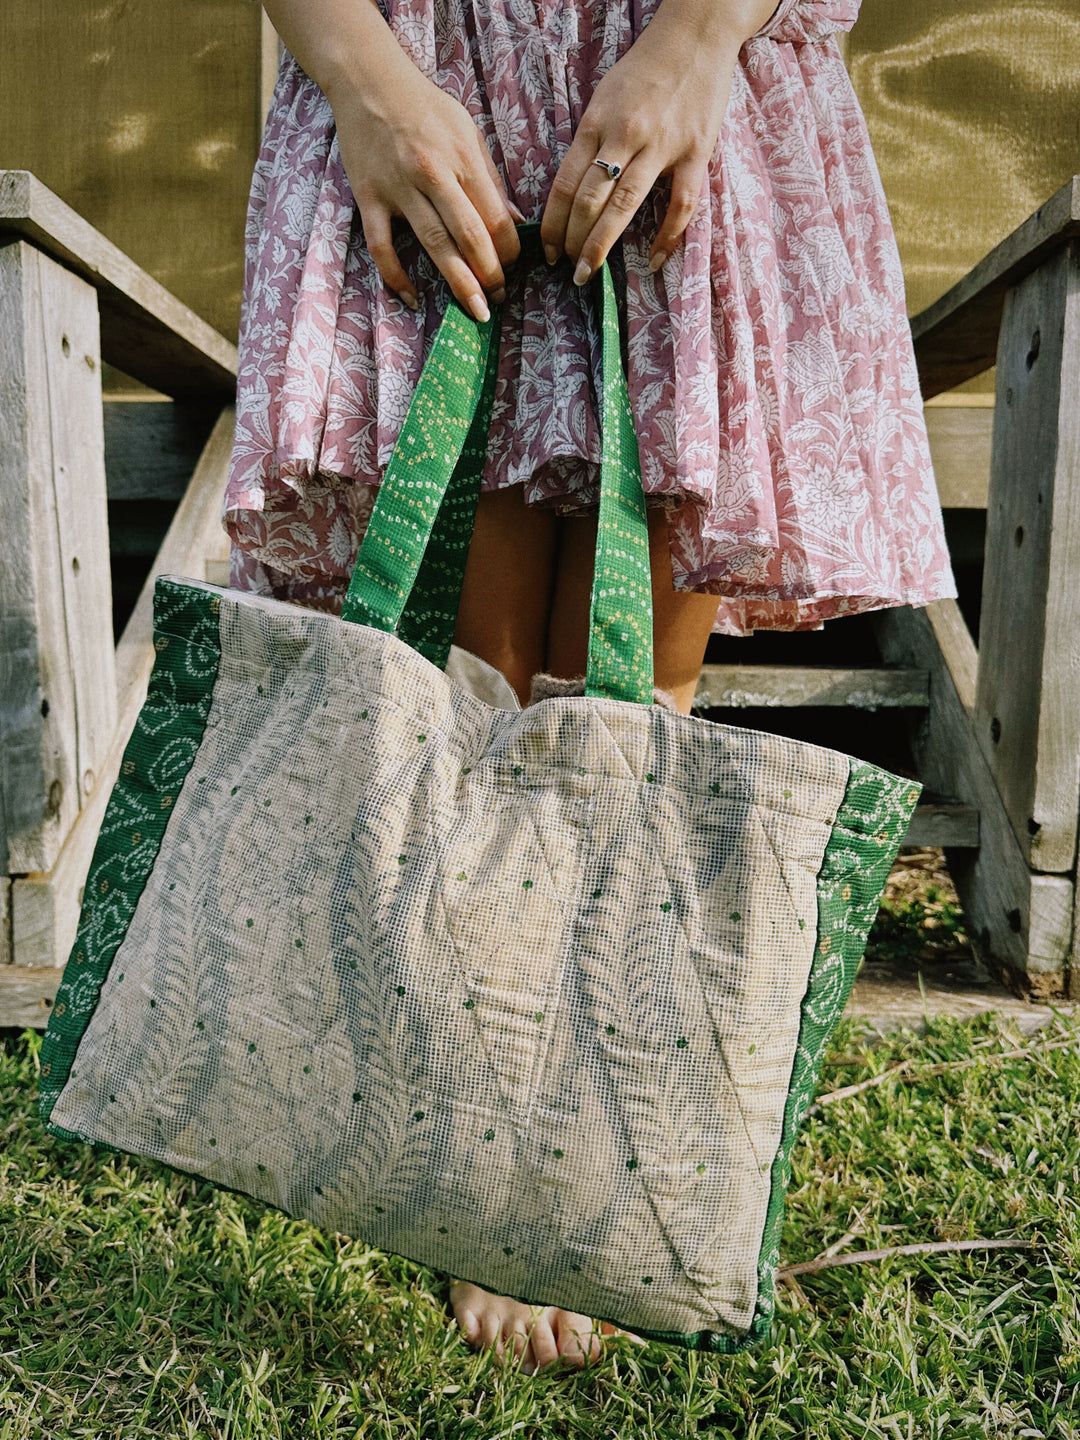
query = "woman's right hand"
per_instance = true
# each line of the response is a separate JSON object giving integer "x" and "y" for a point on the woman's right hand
{"x": 423, "y": 157}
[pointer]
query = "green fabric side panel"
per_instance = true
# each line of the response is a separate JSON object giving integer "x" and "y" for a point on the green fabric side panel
{"x": 620, "y": 664}
{"x": 430, "y": 615}
{"x": 869, "y": 828}
{"x": 435, "y": 429}
{"x": 870, "y": 825}
{"x": 156, "y": 762}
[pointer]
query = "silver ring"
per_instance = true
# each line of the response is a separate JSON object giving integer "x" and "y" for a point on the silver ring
{"x": 613, "y": 170}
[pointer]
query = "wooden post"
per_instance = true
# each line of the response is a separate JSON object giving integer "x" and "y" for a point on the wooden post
{"x": 1019, "y": 919}
{"x": 58, "y": 707}
{"x": 5, "y": 921}
{"x": 1027, "y": 704}
{"x": 68, "y": 698}
{"x": 45, "y": 907}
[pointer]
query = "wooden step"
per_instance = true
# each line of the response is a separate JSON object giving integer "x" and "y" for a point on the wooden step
{"x": 153, "y": 446}
{"x": 743, "y": 687}
{"x": 947, "y": 824}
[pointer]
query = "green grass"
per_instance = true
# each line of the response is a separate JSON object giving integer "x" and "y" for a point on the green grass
{"x": 920, "y": 920}
{"x": 138, "y": 1302}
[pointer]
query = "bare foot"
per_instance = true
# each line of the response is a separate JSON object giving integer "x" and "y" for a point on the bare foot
{"x": 538, "y": 1334}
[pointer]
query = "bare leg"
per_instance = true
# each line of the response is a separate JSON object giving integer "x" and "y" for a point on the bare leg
{"x": 506, "y": 596}
{"x": 682, "y": 620}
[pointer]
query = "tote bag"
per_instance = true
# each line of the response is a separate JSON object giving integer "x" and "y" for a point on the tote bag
{"x": 536, "y": 998}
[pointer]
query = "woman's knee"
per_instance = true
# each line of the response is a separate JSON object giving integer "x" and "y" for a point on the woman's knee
{"x": 508, "y": 580}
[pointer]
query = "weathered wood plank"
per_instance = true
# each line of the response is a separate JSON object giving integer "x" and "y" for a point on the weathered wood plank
{"x": 956, "y": 337}
{"x": 743, "y": 687}
{"x": 27, "y": 996}
{"x": 145, "y": 331}
{"x": 216, "y": 560}
{"x": 1020, "y": 919}
{"x": 1027, "y": 709}
{"x": 953, "y": 638}
{"x": 948, "y": 825}
{"x": 960, "y": 449}
{"x": 5, "y": 922}
{"x": 59, "y": 700}
{"x": 152, "y": 446}
{"x": 45, "y": 907}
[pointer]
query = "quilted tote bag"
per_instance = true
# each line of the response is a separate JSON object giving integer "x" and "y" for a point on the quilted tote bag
{"x": 538, "y": 999}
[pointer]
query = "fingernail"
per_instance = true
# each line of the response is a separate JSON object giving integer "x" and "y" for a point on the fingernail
{"x": 550, "y": 254}
{"x": 658, "y": 259}
{"x": 516, "y": 213}
{"x": 478, "y": 306}
{"x": 411, "y": 300}
{"x": 498, "y": 295}
{"x": 582, "y": 272}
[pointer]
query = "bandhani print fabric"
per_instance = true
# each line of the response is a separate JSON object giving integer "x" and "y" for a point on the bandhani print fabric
{"x": 770, "y": 364}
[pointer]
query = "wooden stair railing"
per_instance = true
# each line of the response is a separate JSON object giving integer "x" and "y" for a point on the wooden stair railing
{"x": 68, "y": 697}
{"x": 1002, "y": 731}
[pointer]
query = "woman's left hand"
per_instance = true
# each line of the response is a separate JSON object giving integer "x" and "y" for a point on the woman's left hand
{"x": 657, "y": 111}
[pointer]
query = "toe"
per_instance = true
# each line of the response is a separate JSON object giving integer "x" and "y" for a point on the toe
{"x": 490, "y": 1332}
{"x": 607, "y": 1328}
{"x": 464, "y": 1300}
{"x": 578, "y": 1341}
{"x": 515, "y": 1340}
{"x": 542, "y": 1345}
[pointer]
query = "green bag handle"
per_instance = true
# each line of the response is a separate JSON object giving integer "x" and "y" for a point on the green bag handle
{"x": 411, "y": 565}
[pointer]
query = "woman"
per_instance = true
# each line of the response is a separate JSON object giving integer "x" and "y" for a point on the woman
{"x": 714, "y": 151}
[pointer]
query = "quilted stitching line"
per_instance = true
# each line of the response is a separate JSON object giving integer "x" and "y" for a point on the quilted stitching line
{"x": 755, "y": 811}
{"x": 460, "y": 961}
{"x": 616, "y": 747}
{"x": 555, "y": 982}
{"x": 694, "y": 953}
{"x": 524, "y": 1149}
{"x": 520, "y": 1132}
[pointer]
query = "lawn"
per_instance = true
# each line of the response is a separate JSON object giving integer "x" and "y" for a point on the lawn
{"x": 138, "y": 1302}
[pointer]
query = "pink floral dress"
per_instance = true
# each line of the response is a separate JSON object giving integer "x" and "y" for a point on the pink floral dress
{"x": 770, "y": 364}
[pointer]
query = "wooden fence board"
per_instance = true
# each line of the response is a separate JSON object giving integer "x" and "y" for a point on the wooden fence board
{"x": 59, "y": 701}
{"x": 27, "y": 996}
{"x": 1027, "y": 712}
{"x": 152, "y": 446}
{"x": 949, "y": 826}
{"x": 744, "y": 687}
{"x": 956, "y": 337}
